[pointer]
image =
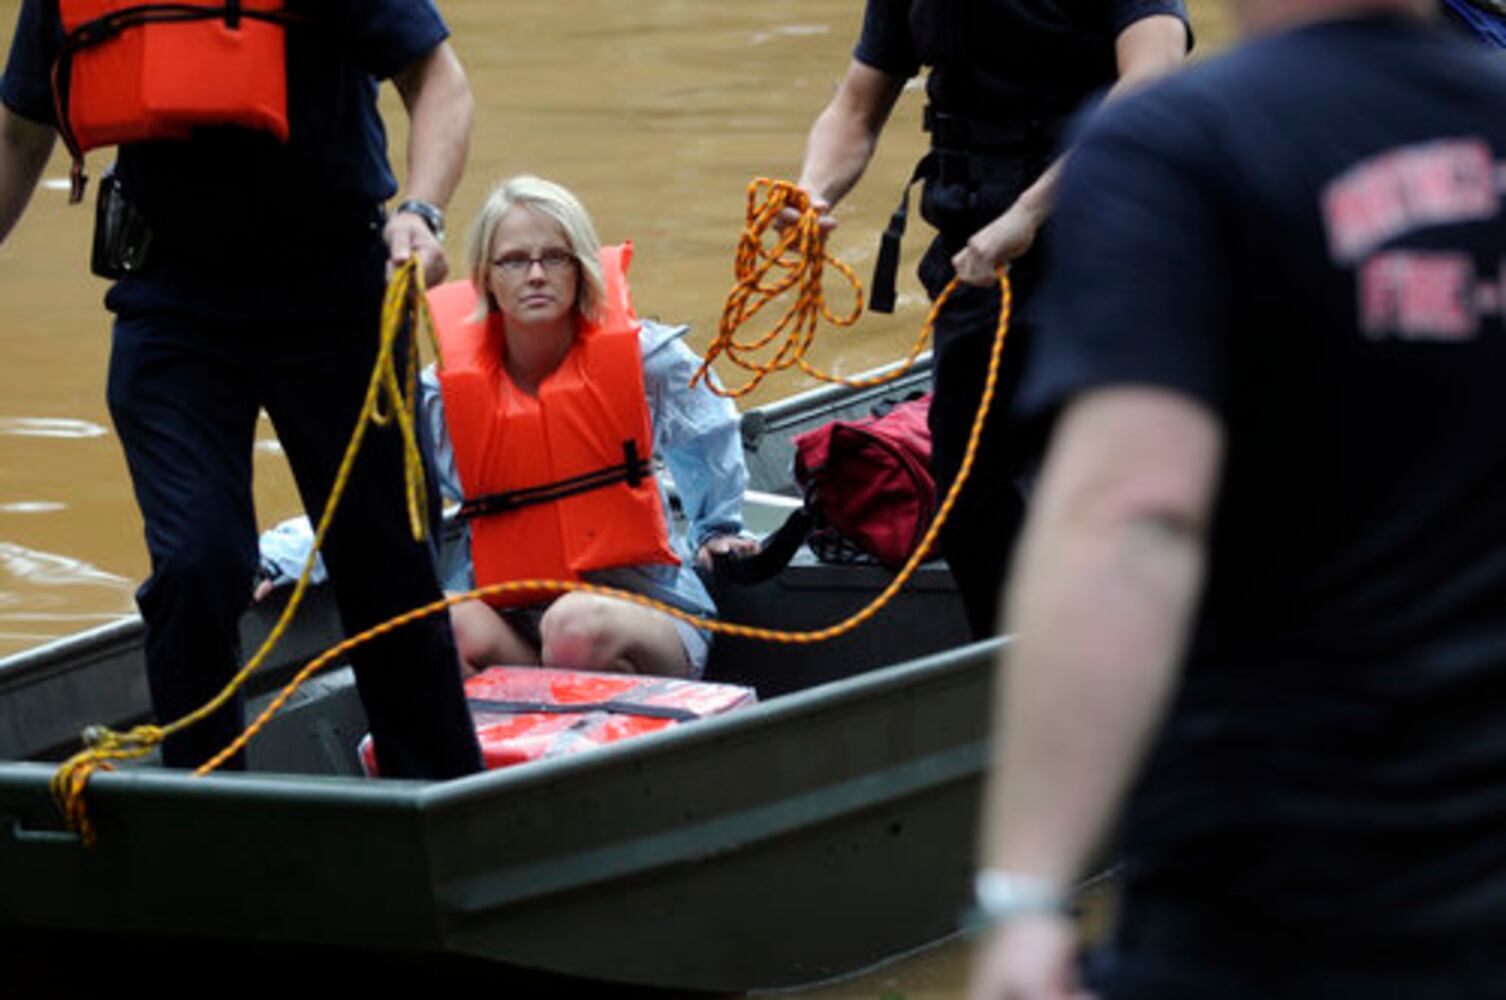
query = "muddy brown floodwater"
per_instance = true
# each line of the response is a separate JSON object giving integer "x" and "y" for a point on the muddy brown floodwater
{"x": 657, "y": 112}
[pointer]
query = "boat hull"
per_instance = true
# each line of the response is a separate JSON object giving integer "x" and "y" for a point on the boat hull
{"x": 798, "y": 840}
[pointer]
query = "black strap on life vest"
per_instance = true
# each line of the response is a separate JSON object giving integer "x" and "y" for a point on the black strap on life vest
{"x": 107, "y": 26}
{"x": 633, "y": 469}
{"x": 581, "y": 708}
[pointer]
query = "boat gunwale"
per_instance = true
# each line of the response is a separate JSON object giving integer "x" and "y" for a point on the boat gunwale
{"x": 793, "y": 705}
{"x": 481, "y": 786}
{"x": 70, "y": 652}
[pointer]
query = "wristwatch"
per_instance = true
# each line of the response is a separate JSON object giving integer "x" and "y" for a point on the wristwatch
{"x": 1003, "y": 896}
{"x": 432, "y": 215}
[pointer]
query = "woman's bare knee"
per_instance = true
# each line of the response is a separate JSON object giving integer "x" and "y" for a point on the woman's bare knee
{"x": 587, "y": 632}
{"x": 483, "y": 639}
{"x": 582, "y": 632}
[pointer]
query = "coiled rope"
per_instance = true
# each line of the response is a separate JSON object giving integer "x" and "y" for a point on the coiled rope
{"x": 796, "y": 260}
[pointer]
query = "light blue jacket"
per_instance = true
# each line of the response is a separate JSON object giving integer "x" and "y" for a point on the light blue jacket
{"x": 695, "y": 435}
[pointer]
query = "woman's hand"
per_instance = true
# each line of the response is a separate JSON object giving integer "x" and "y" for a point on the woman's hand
{"x": 735, "y": 545}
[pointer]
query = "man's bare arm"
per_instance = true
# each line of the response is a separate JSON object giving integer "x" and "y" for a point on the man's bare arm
{"x": 24, "y": 148}
{"x": 440, "y": 112}
{"x": 845, "y": 134}
{"x": 1145, "y": 51}
{"x": 1107, "y": 578}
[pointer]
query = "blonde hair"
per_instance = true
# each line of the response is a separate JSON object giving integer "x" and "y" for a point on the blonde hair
{"x": 556, "y": 202}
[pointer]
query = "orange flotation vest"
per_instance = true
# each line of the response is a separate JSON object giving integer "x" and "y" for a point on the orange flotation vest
{"x": 560, "y": 483}
{"x": 132, "y": 72}
{"x": 524, "y": 714}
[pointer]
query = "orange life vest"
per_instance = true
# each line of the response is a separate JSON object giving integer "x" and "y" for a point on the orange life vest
{"x": 130, "y": 71}
{"x": 559, "y": 483}
{"x": 537, "y": 713}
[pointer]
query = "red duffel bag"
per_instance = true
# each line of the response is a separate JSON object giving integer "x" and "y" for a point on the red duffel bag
{"x": 868, "y": 484}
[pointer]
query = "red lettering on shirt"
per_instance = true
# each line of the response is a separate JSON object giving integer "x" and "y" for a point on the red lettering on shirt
{"x": 1418, "y": 296}
{"x": 1431, "y": 184}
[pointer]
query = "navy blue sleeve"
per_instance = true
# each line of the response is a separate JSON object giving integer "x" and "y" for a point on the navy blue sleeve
{"x": 389, "y": 35}
{"x": 1127, "y": 12}
{"x": 886, "y": 43}
{"x": 27, "y": 85}
{"x": 1137, "y": 288}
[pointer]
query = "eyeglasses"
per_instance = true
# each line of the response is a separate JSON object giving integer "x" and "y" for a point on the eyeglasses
{"x": 519, "y": 263}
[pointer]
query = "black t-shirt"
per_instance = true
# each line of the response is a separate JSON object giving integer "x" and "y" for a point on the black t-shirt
{"x": 236, "y": 210}
{"x": 1307, "y": 237}
{"x": 998, "y": 59}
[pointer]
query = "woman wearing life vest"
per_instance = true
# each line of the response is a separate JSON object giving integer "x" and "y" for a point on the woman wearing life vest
{"x": 552, "y": 402}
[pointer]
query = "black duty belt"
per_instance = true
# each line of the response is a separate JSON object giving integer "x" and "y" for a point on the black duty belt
{"x": 633, "y": 469}
{"x": 981, "y": 135}
{"x": 963, "y": 151}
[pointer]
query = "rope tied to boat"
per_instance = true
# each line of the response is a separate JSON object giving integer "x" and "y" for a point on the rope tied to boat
{"x": 406, "y": 290}
{"x": 390, "y": 397}
{"x": 763, "y": 272}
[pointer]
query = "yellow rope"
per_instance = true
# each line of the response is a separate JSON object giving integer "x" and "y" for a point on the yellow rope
{"x": 753, "y": 289}
{"x": 404, "y": 300}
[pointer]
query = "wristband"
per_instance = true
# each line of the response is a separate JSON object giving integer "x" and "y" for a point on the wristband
{"x": 432, "y": 215}
{"x": 1004, "y": 896}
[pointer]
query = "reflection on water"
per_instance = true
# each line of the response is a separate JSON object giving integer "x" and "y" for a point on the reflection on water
{"x": 47, "y": 569}
{"x": 32, "y": 507}
{"x": 789, "y": 30}
{"x": 39, "y": 594}
{"x": 50, "y": 427}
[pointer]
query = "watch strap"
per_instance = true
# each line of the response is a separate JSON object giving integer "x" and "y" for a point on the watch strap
{"x": 432, "y": 214}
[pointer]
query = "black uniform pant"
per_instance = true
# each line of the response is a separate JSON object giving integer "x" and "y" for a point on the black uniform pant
{"x": 185, "y": 394}
{"x": 979, "y": 535}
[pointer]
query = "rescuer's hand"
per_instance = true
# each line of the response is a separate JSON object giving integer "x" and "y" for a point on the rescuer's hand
{"x": 408, "y": 235}
{"x": 1003, "y": 240}
{"x": 789, "y": 216}
{"x": 1027, "y": 958}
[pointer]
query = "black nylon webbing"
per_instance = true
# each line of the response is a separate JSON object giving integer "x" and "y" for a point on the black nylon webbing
{"x": 632, "y": 470}
{"x": 613, "y": 707}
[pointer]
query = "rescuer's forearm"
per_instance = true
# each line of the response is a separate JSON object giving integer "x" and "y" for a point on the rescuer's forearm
{"x": 440, "y": 111}
{"x": 1109, "y": 571}
{"x": 843, "y": 137}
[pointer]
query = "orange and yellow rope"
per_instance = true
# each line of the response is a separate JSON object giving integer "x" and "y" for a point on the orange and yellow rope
{"x": 796, "y": 260}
